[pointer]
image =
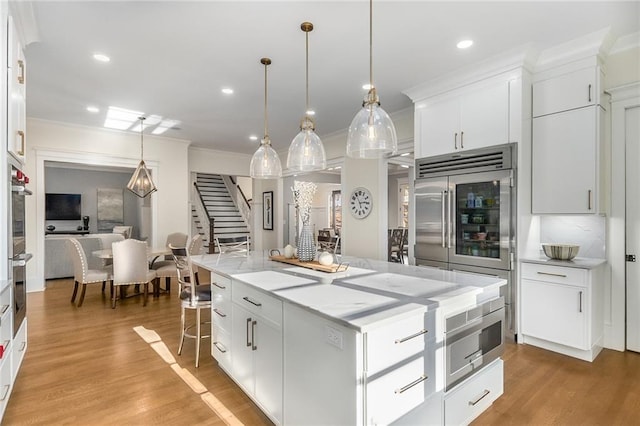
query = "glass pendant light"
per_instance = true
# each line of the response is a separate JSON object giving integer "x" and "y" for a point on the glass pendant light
{"x": 306, "y": 152}
{"x": 141, "y": 183}
{"x": 371, "y": 133}
{"x": 265, "y": 163}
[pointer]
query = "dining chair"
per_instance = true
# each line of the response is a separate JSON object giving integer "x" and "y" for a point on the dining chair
{"x": 123, "y": 230}
{"x": 168, "y": 271}
{"x": 175, "y": 239}
{"x": 81, "y": 272}
{"x": 193, "y": 296}
{"x": 130, "y": 266}
{"x": 395, "y": 245}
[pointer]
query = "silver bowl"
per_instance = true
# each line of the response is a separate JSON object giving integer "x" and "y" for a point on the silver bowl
{"x": 560, "y": 251}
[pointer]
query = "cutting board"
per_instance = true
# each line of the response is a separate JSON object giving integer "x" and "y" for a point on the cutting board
{"x": 314, "y": 264}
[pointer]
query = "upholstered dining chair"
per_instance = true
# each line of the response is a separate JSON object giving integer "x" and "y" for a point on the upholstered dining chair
{"x": 176, "y": 239}
{"x": 81, "y": 272}
{"x": 123, "y": 230}
{"x": 130, "y": 266}
{"x": 193, "y": 296}
{"x": 168, "y": 271}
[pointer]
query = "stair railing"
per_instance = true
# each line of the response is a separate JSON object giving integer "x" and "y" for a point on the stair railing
{"x": 211, "y": 221}
{"x": 241, "y": 202}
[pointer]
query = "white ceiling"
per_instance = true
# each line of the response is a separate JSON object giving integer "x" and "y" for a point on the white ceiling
{"x": 173, "y": 58}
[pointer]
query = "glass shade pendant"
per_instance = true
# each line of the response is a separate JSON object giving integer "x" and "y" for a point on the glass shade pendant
{"x": 265, "y": 163}
{"x": 140, "y": 182}
{"x": 371, "y": 133}
{"x": 306, "y": 152}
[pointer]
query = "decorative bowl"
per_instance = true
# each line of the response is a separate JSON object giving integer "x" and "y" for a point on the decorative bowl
{"x": 560, "y": 251}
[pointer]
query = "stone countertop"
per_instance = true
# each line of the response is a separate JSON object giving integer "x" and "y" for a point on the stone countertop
{"x": 367, "y": 295}
{"x": 577, "y": 262}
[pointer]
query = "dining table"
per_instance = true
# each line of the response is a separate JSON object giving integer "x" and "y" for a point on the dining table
{"x": 152, "y": 253}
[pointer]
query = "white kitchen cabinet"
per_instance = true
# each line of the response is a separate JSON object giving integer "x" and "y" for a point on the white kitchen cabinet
{"x": 562, "y": 309}
{"x": 19, "y": 348}
{"x": 16, "y": 103}
{"x": 569, "y": 90}
{"x": 221, "y": 320}
{"x": 566, "y": 162}
{"x": 6, "y": 336}
{"x": 256, "y": 344}
{"x": 469, "y": 118}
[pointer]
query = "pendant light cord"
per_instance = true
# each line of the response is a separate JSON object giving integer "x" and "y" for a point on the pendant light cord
{"x": 141, "y": 138}
{"x": 371, "y": 43}
{"x": 266, "y": 136}
{"x": 307, "y": 72}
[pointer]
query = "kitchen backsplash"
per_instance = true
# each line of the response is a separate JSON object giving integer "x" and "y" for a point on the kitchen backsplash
{"x": 589, "y": 232}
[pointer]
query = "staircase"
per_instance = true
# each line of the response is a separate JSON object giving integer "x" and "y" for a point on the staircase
{"x": 228, "y": 221}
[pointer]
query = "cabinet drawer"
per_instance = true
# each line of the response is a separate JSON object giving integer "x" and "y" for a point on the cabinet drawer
{"x": 19, "y": 348}
{"x": 555, "y": 274}
{"x": 258, "y": 302}
{"x": 392, "y": 394}
{"x": 221, "y": 347}
{"x": 221, "y": 312}
{"x": 6, "y": 332}
{"x": 465, "y": 402}
{"x": 5, "y": 384}
{"x": 396, "y": 342}
{"x": 220, "y": 285}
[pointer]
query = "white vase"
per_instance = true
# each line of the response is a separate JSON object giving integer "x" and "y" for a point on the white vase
{"x": 306, "y": 245}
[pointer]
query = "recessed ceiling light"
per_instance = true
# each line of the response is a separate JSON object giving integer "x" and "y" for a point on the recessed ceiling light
{"x": 405, "y": 154}
{"x": 366, "y": 86}
{"x": 253, "y": 137}
{"x": 227, "y": 91}
{"x": 311, "y": 112}
{"x": 463, "y": 44}
{"x": 101, "y": 57}
{"x": 93, "y": 109}
{"x": 404, "y": 166}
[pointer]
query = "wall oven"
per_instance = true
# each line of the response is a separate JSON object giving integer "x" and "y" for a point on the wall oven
{"x": 473, "y": 339}
{"x": 18, "y": 257}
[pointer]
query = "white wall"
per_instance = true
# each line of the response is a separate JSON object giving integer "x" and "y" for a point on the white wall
{"x": 167, "y": 159}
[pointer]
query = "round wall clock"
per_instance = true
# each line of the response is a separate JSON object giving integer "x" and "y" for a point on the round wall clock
{"x": 360, "y": 203}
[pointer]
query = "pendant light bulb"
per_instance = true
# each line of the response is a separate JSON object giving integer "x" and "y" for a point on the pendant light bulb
{"x": 306, "y": 152}
{"x": 371, "y": 133}
{"x": 140, "y": 182}
{"x": 265, "y": 163}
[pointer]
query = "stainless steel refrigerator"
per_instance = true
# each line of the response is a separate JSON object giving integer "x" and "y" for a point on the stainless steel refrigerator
{"x": 465, "y": 206}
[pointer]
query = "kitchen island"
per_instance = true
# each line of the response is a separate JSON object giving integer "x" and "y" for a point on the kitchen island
{"x": 363, "y": 346}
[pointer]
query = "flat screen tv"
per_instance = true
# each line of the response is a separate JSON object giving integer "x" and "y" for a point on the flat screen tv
{"x": 63, "y": 206}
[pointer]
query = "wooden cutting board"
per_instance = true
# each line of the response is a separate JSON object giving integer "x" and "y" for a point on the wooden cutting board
{"x": 314, "y": 264}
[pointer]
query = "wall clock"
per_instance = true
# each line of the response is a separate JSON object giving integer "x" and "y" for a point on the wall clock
{"x": 360, "y": 202}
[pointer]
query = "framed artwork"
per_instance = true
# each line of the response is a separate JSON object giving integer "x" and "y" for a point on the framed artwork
{"x": 267, "y": 210}
{"x": 110, "y": 208}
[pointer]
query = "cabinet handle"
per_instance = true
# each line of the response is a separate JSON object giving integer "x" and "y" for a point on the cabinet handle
{"x": 221, "y": 287}
{"x": 5, "y": 393}
{"x": 589, "y": 93}
{"x": 21, "y": 76}
{"x": 253, "y": 335}
{"x": 412, "y": 384}
{"x": 21, "y": 134}
{"x": 589, "y": 199}
{"x": 419, "y": 333}
{"x": 219, "y": 313}
{"x": 219, "y": 347}
{"x": 4, "y": 309}
{"x": 444, "y": 197}
{"x": 251, "y": 301}
{"x": 553, "y": 275}
{"x": 461, "y": 139}
{"x": 248, "y": 324}
{"x": 485, "y": 393}
{"x": 24, "y": 345}
{"x": 455, "y": 140}
{"x": 580, "y": 301}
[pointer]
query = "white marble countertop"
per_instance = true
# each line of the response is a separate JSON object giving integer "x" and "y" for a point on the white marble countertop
{"x": 576, "y": 262}
{"x": 368, "y": 294}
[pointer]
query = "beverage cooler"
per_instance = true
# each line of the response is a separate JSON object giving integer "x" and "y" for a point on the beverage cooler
{"x": 465, "y": 214}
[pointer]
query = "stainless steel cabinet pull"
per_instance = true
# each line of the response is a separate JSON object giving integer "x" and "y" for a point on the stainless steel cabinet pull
{"x": 450, "y": 207}
{"x": 485, "y": 393}
{"x": 553, "y": 275}
{"x": 251, "y": 301}
{"x": 444, "y": 197}
{"x": 589, "y": 93}
{"x": 253, "y": 336}
{"x": 248, "y": 324}
{"x": 580, "y": 302}
{"x": 589, "y": 200}
{"x": 219, "y": 313}
{"x": 4, "y": 308}
{"x": 5, "y": 393}
{"x": 219, "y": 286}
{"x": 461, "y": 139}
{"x": 24, "y": 345}
{"x": 219, "y": 347}
{"x": 419, "y": 333}
{"x": 412, "y": 384}
{"x": 455, "y": 141}
{"x": 21, "y": 134}
{"x": 21, "y": 76}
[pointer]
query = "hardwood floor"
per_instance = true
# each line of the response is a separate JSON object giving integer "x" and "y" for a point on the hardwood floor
{"x": 87, "y": 366}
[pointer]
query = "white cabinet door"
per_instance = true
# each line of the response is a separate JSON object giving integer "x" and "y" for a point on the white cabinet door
{"x": 437, "y": 127}
{"x": 242, "y": 360}
{"x": 568, "y": 91}
{"x": 555, "y": 312}
{"x": 268, "y": 367}
{"x": 484, "y": 117}
{"x": 564, "y": 174}
{"x": 16, "y": 106}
